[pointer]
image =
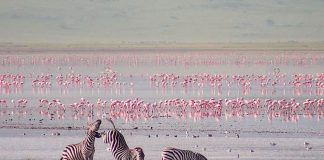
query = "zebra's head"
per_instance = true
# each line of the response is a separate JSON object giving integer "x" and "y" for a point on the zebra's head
{"x": 94, "y": 127}
{"x": 139, "y": 153}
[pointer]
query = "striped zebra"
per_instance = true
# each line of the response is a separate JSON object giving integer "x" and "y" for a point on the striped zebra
{"x": 170, "y": 153}
{"x": 85, "y": 149}
{"x": 119, "y": 147}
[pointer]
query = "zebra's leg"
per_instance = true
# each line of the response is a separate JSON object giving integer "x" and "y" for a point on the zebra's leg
{"x": 91, "y": 155}
{"x": 85, "y": 157}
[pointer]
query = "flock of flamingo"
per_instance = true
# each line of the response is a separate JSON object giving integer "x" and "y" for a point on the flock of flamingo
{"x": 132, "y": 109}
{"x": 289, "y": 108}
{"x": 298, "y": 83}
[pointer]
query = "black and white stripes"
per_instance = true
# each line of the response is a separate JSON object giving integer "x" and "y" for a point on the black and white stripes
{"x": 178, "y": 154}
{"x": 119, "y": 147}
{"x": 85, "y": 149}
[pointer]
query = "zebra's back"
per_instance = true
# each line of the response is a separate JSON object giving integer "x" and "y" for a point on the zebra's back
{"x": 179, "y": 154}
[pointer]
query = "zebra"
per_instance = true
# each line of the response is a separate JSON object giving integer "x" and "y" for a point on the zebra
{"x": 119, "y": 147}
{"x": 85, "y": 149}
{"x": 170, "y": 153}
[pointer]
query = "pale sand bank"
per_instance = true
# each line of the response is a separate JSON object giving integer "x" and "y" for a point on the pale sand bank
{"x": 318, "y": 46}
{"x": 35, "y": 146}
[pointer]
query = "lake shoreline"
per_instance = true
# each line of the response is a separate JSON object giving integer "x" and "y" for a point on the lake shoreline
{"x": 13, "y": 48}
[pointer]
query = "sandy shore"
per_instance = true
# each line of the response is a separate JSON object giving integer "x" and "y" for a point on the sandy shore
{"x": 38, "y": 144}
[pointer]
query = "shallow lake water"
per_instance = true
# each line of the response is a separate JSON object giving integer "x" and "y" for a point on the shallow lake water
{"x": 201, "y": 92}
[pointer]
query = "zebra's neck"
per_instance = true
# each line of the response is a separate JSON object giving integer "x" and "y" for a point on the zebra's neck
{"x": 90, "y": 139}
{"x": 117, "y": 143}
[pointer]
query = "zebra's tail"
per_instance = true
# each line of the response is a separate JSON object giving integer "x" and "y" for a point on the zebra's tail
{"x": 110, "y": 120}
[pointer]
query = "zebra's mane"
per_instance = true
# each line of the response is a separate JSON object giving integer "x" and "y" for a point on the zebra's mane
{"x": 110, "y": 120}
{"x": 116, "y": 133}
